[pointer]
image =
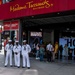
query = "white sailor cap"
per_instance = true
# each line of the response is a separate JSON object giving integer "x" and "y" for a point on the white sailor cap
{"x": 16, "y": 41}
{"x": 9, "y": 40}
{"x": 24, "y": 40}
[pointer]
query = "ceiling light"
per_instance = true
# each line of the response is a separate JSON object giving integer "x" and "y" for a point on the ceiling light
{"x": 68, "y": 29}
{"x": 58, "y": 13}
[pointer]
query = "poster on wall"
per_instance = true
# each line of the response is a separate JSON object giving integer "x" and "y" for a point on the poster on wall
{"x": 70, "y": 43}
{"x": 35, "y": 37}
{"x": 66, "y": 40}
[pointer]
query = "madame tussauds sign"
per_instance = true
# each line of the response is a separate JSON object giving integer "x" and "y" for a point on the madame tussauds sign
{"x": 32, "y": 5}
{"x": 22, "y": 8}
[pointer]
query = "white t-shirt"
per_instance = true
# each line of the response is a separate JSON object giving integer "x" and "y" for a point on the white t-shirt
{"x": 49, "y": 47}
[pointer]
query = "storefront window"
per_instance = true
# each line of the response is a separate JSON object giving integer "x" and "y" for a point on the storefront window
{"x": 6, "y": 1}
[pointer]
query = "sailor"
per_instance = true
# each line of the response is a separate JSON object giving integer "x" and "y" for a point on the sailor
{"x": 17, "y": 50}
{"x": 8, "y": 50}
{"x": 26, "y": 49}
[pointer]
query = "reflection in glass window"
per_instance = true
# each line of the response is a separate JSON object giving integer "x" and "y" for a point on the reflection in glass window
{"x": 5, "y": 1}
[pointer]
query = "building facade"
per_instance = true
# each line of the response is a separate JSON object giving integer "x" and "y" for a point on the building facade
{"x": 17, "y": 16}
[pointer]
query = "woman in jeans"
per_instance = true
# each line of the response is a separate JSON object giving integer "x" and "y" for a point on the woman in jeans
{"x": 41, "y": 51}
{"x": 37, "y": 51}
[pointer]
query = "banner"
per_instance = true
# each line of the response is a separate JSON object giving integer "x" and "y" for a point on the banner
{"x": 67, "y": 40}
{"x": 6, "y": 26}
{"x": 22, "y": 8}
{"x": 70, "y": 43}
{"x": 12, "y": 25}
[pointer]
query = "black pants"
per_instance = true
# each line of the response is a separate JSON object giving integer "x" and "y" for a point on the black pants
{"x": 49, "y": 56}
{"x": 60, "y": 55}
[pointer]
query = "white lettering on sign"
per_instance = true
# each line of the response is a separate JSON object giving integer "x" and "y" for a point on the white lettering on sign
{"x": 7, "y": 25}
{"x": 36, "y": 34}
{"x": 13, "y": 25}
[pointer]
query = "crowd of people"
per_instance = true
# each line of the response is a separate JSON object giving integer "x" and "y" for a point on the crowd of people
{"x": 51, "y": 52}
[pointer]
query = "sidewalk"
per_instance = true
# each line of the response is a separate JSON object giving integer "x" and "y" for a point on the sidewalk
{"x": 38, "y": 68}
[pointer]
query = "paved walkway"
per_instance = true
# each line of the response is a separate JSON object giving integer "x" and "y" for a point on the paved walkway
{"x": 38, "y": 68}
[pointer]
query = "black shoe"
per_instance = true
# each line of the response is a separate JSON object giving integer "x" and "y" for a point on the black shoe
{"x": 23, "y": 67}
{"x": 10, "y": 65}
{"x": 5, "y": 66}
{"x": 28, "y": 67}
{"x": 52, "y": 60}
{"x": 18, "y": 66}
{"x": 15, "y": 66}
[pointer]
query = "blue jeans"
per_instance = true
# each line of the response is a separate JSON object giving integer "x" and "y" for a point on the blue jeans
{"x": 41, "y": 57}
{"x": 37, "y": 53}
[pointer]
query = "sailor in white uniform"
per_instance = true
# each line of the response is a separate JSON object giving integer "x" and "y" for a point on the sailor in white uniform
{"x": 8, "y": 49}
{"x": 17, "y": 50}
{"x": 26, "y": 49}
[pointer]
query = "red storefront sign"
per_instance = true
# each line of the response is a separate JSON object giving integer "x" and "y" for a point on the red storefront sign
{"x": 21, "y": 8}
{"x": 6, "y": 26}
{"x": 12, "y": 25}
{"x": 15, "y": 25}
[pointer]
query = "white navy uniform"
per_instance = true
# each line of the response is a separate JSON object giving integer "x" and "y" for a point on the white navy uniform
{"x": 25, "y": 55}
{"x": 16, "y": 50}
{"x": 8, "y": 49}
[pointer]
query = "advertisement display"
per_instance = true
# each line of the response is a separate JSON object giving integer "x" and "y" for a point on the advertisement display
{"x": 11, "y": 25}
{"x": 70, "y": 43}
{"x": 39, "y": 34}
{"x": 13, "y": 28}
{"x": 21, "y": 8}
{"x": 14, "y": 25}
{"x": 35, "y": 37}
{"x": 6, "y": 26}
